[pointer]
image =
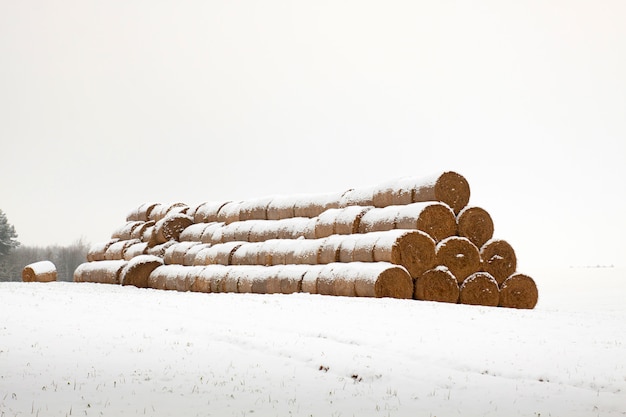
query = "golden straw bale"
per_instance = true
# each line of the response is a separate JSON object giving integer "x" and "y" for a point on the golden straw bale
{"x": 357, "y": 197}
{"x": 296, "y": 227}
{"x": 325, "y": 223}
{"x": 101, "y": 272}
{"x": 459, "y": 255}
{"x": 220, "y": 254}
{"x": 229, "y": 212}
{"x": 326, "y": 281}
{"x": 281, "y": 207}
{"x": 304, "y": 252}
{"x": 193, "y": 232}
{"x": 161, "y": 210}
{"x": 124, "y": 232}
{"x": 437, "y": 284}
{"x": 348, "y": 219}
{"x": 475, "y": 224}
{"x": 309, "y": 279}
{"x": 116, "y": 250}
{"x": 379, "y": 219}
{"x": 192, "y": 252}
{"x": 171, "y": 226}
{"x": 168, "y": 277}
{"x": 262, "y": 230}
{"x": 314, "y": 205}
{"x": 499, "y": 259}
{"x": 212, "y": 233}
{"x": 175, "y": 253}
{"x": 139, "y": 248}
{"x": 230, "y": 281}
{"x": 137, "y": 232}
{"x": 247, "y": 254}
{"x": 436, "y": 219}
{"x": 519, "y": 291}
{"x": 480, "y": 288}
{"x": 412, "y": 249}
{"x": 207, "y": 212}
{"x": 209, "y": 279}
{"x": 97, "y": 251}
{"x": 141, "y": 213}
{"x": 393, "y": 193}
{"x": 277, "y": 250}
{"x": 290, "y": 278}
{"x": 138, "y": 269}
{"x": 255, "y": 209}
{"x": 159, "y": 250}
{"x": 149, "y": 236}
{"x": 42, "y": 271}
{"x": 329, "y": 250}
{"x": 450, "y": 188}
{"x": 347, "y": 248}
{"x": 381, "y": 279}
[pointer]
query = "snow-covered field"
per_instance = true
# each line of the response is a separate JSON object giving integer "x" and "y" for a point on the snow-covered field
{"x": 93, "y": 349}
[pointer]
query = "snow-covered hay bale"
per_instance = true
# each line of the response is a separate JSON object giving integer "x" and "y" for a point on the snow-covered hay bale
{"x": 173, "y": 277}
{"x": 437, "y": 284}
{"x": 102, "y": 272}
{"x": 290, "y": 278}
{"x": 314, "y": 205}
{"x": 124, "y": 232}
{"x": 329, "y": 249}
{"x": 348, "y": 219}
{"x": 281, "y": 207}
{"x": 309, "y": 279}
{"x": 220, "y": 254}
{"x": 42, "y": 271}
{"x": 209, "y": 279}
{"x": 192, "y": 233}
{"x": 161, "y": 210}
{"x": 159, "y": 250}
{"x": 305, "y": 252}
{"x": 175, "y": 254}
{"x": 207, "y": 212}
{"x": 138, "y": 269}
{"x": 260, "y": 231}
{"x": 139, "y": 230}
{"x": 361, "y": 279}
{"x": 296, "y": 227}
{"x": 171, "y": 226}
{"x": 519, "y": 291}
{"x": 229, "y": 212}
{"x": 499, "y": 259}
{"x": 255, "y": 209}
{"x": 476, "y": 224}
{"x": 141, "y": 213}
{"x": 449, "y": 187}
{"x": 212, "y": 233}
{"x": 257, "y": 279}
{"x": 394, "y": 193}
{"x": 357, "y": 197}
{"x": 459, "y": 255}
{"x": 325, "y": 223}
{"x": 149, "y": 235}
{"x": 412, "y": 249}
{"x": 97, "y": 251}
{"x": 480, "y": 288}
{"x": 139, "y": 248}
{"x": 192, "y": 252}
{"x": 116, "y": 250}
{"x": 247, "y": 254}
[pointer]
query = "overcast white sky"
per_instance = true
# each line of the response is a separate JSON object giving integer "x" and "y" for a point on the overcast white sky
{"x": 105, "y": 105}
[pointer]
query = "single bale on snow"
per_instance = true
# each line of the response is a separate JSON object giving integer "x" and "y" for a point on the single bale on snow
{"x": 499, "y": 259}
{"x": 480, "y": 288}
{"x": 138, "y": 269}
{"x": 519, "y": 291}
{"x": 459, "y": 255}
{"x": 101, "y": 272}
{"x": 42, "y": 271}
{"x": 141, "y": 213}
{"x": 437, "y": 284}
{"x": 475, "y": 224}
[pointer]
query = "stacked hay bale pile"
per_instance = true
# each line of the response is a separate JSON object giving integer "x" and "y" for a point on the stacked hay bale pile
{"x": 409, "y": 238}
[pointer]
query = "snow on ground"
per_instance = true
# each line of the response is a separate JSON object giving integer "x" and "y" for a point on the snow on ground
{"x": 84, "y": 349}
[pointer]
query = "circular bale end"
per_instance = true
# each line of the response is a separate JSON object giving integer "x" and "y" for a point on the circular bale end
{"x": 412, "y": 249}
{"x": 42, "y": 271}
{"x": 459, "y": 255}
{"x": 138, "y": 269}
{"x": 438, "y": 220}
{"x": 475, "y": 224}
{"x": 480, "y": 288}
{"x": 437, "y": 284}
{"x": 452, "y": 189}
{"x": 498, "y": 258}
{"x": 393, "y": 282}
{"x": 519, "y": 291}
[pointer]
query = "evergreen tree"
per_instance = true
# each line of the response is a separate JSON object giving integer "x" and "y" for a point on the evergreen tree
{"x": 8, "y": 237}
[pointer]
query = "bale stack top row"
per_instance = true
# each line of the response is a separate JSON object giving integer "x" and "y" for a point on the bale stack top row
{"x": 407, "y": 238}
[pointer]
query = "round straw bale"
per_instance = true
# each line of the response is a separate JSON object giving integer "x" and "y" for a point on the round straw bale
{"x": 124, "y": 232}
{"x": 290, "y": 278}
{"x": 255, "y": 209}
{"x": 437, "y": 284}
{"x": 175, "y": 253}
{"x": 138, "y": 269}
{"x": 262, "y": 230}
{"x": 325, "y": 223}
{"x": 42, "y": 271}
{"x": 436, "y": 219}
{"x": 97, "y": 251}
{"x": 207, "y": 212}
{"x": 149, "y": 236}
{"x": 393, "y": 193}
{"x": 347, "y": 246}
{"x": 379, "y": 219}
{"x": 209, "y": 279}
{"x": 450, "y": 188}
{"x": 329, "y": 250}
{"x": 277, "y": 250}
{"x": 229, "y": 212}
{"x": 220, "y": 254}
{"x": 247, "y": 254}
{"x": 192, "y": 233}
{"x": 357, "y": 197}
{"x": 305, "y": 251}
{"x": 139, "y": 248}
{"x": 335, "y": 280}
{"x": 475, "y": 224}
{"x": 212, "y": 233}
{"x": 314, "y": 205}
{"x": 102, "y": 272}
{"x": 141, "y": 213}
{"x": 459, "y": 255}
{"x": 412, "y": 249}
{"x": 162, "y": 210}
{"x": 230, "y": 281}
{"x": 159, "y": 250}
{"x": 348, "y": 219}
{"x": 170, "y": 227}
{"x": 480, "y": 288}
{"x": 381, "y": 279}
{"x": 519, "y": 291}
{"x": 167, "y": 277}
{"x": 137, "y": 232}
{"x": 498, "y": 258}
{"x": 295, "y": 228}
{"x": 281, "y": 207}
{"x": 265, "y": 280}
{"x": 116, "y": 250}
{"x": 309, "y": 279}
{"x": 192, "y": 252}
